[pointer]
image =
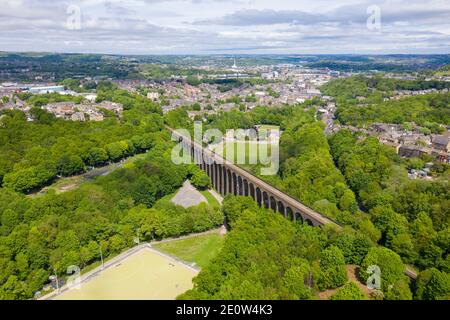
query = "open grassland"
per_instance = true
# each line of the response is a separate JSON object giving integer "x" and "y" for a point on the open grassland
{"x": 248, "y": 155}
{"x": 199, "y": 250}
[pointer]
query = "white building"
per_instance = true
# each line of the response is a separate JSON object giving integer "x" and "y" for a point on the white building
{"x": 270, "y": 75}
{"x": 153, "y": 96}
{"x": 43, "y": 90}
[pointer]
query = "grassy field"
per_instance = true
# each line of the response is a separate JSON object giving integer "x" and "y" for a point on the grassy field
{"x": 245, "y": 150}
{"x": 145, "y": 275}
{"x": 200, "y": 249}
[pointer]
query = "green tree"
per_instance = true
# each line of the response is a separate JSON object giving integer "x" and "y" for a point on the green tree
{"x": 117, "y": 244}
{"x": 201, "y": 180}
{"x": 390, "y": 264}
{"x": 10, "y": 218}
{"x": 402, "y": 244}
{"x": 68, "y": 165}
{"x": 5, "y": 99}
{"x": 349, "y": 291}
{"x": 431, "y": 284}
{"x": 13, "y": 289}
{"x": 196, "y": 107}
{"x": 22, "y": 265}
{"x": 294, "y": 281}
{"x": 116, "y": 150}
{"x": 145, "y": 191}
{"x": 423, "y": 231}
{"x": 348, "y": 202}
{"x": 234, "y": 207}
{"x": 399, "y": 291}
{"x": 28, "y": 179}
{"x": 332, "y": 269}
{"x": 193, "y": 81}
{"x": 96, "y": 157}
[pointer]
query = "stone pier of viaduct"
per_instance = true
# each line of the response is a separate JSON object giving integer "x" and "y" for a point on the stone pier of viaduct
{"x": 228, "y": 178}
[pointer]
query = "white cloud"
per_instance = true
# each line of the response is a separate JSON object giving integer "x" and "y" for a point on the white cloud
{"x": 243, "y": 26}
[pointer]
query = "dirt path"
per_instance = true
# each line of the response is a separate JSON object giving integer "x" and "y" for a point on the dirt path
{"x": 66, "y": 184}
{"x": 352, "y": 274}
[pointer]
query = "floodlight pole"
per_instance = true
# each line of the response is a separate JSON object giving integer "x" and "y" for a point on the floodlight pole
{"x": 57, "y": 281}
{"x": 101, "y": 257}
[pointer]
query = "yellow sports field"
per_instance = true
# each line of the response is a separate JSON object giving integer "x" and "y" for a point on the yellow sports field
{"x": 144, "y": 275}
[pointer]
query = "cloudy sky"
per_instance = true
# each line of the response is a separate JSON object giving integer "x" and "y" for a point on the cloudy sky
{"x": 225, "y": 26}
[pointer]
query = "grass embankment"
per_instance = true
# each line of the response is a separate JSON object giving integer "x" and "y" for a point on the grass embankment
{"x": 200, "y": 249}
{"x": 210, "y": 198}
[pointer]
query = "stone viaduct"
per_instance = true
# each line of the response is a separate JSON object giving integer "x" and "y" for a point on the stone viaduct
{"x": 228, "y": 178}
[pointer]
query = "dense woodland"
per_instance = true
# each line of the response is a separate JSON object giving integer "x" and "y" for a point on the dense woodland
{"x": 361, "y": 102}
{"x": 389, "y": 63}
{"x": 43, "y": 235}
{"x": 62, "y": 66}
{"x": 428, "y": 111}
{"x": 388, "y": 220}
{"x": 412, "y": 215}
{"x": 267, "y": 257}
{"x": 357, "y": 181}
{"x": 361, "y": 86}
{"x": 33, "y": 154}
